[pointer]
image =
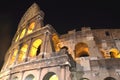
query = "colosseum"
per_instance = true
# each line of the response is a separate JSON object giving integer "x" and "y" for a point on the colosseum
{"x": 38, "y": 52}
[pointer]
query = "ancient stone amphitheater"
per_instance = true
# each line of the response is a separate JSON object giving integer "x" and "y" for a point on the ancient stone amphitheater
{"x": 38, "y": 52}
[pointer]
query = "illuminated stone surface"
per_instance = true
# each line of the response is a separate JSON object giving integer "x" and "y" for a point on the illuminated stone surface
{"x": 37, "y": 52}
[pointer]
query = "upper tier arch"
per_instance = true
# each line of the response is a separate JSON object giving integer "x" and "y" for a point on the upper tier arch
{"x": 32, "y": 11}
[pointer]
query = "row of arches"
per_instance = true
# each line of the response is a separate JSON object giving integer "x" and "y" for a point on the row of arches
{"x": 111, "y": 53}
{"x": 48, "y": 76}
{"x": 81, "y": 50}
{"x": 25, "y": 31}
{"x": 29, "y": 77}
{"x": 20, "y": 55}
{"x": 53, "y": 76}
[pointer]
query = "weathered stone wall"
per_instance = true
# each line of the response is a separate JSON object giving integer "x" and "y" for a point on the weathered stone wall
{"x": 94, "y": 66}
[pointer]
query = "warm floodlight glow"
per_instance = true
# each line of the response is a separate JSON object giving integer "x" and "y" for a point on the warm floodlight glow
{"x": 31, "y": 27}
{"x": 22, "y": 33}
{"x": 35, "y": 47}
{"x": 55, "y": 39}
{"x": 81, "y": 50}
{"x": 22, "y": 53}
{"x": 17, "y": 38}
{"x": 104, "y": 53}
{"x": 54, "y": 77}
{"x": 14, "y": 56}
{"x": 114, "y": 53}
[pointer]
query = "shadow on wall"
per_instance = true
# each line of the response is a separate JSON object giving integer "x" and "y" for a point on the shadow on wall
{"x": 109, "y": 78}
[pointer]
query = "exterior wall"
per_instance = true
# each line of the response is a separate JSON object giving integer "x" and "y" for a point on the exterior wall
{"x": 61, "y": 72}
{"x": 111, "y": 39}
{"x": 19, "y": 75}
{"x": 96, "y": 69}
{"x": 64, "y": 62}
{"x": 36, "y": 74}
{"x": 73, "y": 37}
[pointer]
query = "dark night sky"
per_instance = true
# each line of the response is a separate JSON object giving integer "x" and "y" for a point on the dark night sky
{"x": 63, "y": 15}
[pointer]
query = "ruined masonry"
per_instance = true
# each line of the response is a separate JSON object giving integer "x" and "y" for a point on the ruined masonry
{"x": 38, "y": 52}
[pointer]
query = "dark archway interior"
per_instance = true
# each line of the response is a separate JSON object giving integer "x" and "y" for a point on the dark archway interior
{"x": 38, "y": 50}
{"x": 48, "y": 75}
{"x": 109, "y": 78}
{"x": 83, "y": 54}
{"x": 81, "y": 50}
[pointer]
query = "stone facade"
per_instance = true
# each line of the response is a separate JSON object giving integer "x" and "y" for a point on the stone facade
{"x": 38, "y": 52}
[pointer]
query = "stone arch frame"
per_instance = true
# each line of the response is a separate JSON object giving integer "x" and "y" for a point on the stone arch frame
{"x": 37, "y": 47}
{"x": 81, "y": 49}
{"x": 49, "y": 75}
{"x": 114, "y": 53}
{"x": 30, "y": 27}
{"x": 24, "y": 51}
{"x": 8, "y": 61}
{"x": 29, "y": 76}
{"x": 8, "y": 57}
{"x": 32, "y": 12}
{"x": 35, "y": 73}
{"x": 36, "y": 21}
{"x": 13, "y": 55}
{"x": 22, "y": 33}
{"x": 110, "y": 78}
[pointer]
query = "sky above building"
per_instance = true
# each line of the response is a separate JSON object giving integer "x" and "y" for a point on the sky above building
{"x": 63, "y": 15}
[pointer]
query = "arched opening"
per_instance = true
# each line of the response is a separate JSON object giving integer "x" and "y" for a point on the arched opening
{"x": 17, "y": 38}
{"x": 13, "y": 56}
{"x": 84, "y": 79}
{"x": 35, "y": 48}
{"x": 81, "y": 50}
{"x": 22, "y": 53}
{"x": 50, "y": 76}
{"x": 65, "y": 47}
{"x": 109, "y": 78}
{"x": 22, "y": 33}
{"x": 114, "y": 53}
{"x": 15, "y": 78}
{"x": 55, "y": 40}
{"x": 30, "y": 77}
{"x": 31, "y": 27}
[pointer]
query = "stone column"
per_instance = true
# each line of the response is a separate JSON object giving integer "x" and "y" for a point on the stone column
{"x": 62, "y": 73}
{"x": 43, "y": 48}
